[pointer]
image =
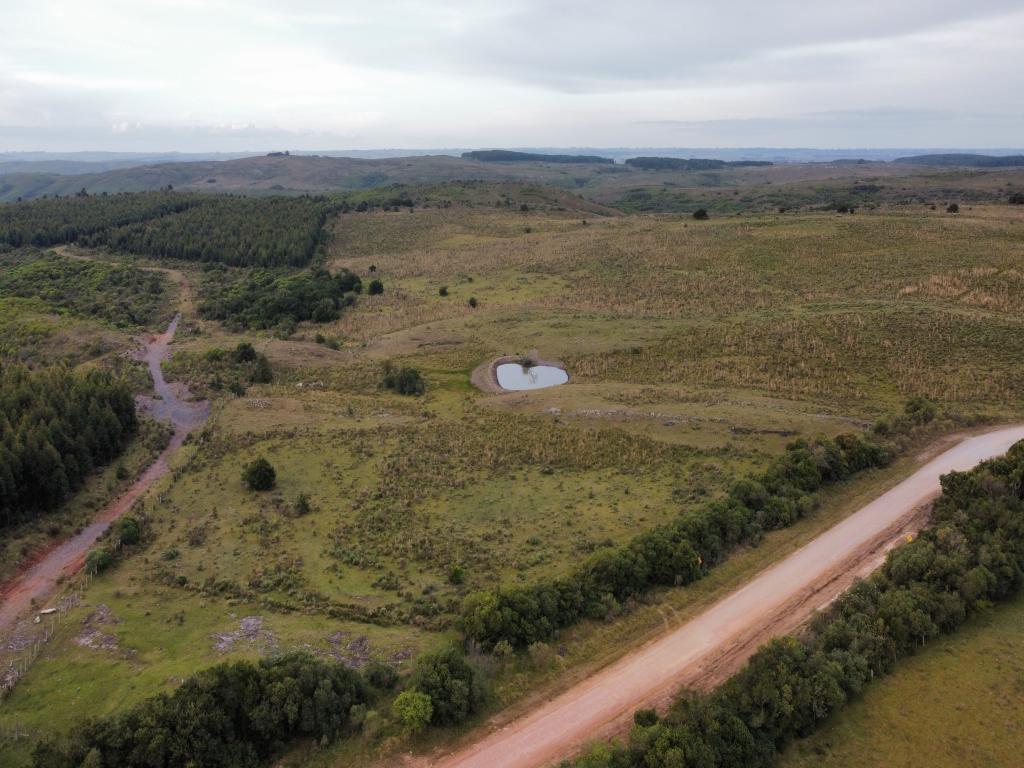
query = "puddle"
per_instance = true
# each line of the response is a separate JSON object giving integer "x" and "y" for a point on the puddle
{"x": 514, "y": 376}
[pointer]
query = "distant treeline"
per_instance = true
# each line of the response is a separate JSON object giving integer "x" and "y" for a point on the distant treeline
{"x": 56, "y": 426}
{"x": 508, "y": 156}
{"x": 673, "y": 554}
{"x": 241, "y": 231}
{"x": 964, "y": 160}
{"x": 970, "y": 555}
{"x": 268, "y": 298}
{"x": 120, "y": 294}
{"x": 690, "y": 164}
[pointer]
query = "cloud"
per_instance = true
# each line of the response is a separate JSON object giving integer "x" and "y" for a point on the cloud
{"x": 490, "y": 72}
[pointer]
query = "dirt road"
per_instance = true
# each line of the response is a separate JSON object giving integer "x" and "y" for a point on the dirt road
{"x": 40, "y": 580}
{"x": 719, "y": 640}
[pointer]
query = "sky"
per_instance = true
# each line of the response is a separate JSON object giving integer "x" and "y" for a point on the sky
{"x": 235, "y": 75}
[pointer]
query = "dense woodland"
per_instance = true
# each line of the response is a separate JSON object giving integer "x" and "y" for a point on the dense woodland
{"x": 268, "y": 298}
{"x": 673, "y": 554}
{"x": 970, "y": 555}
{"x": 56, "y": 426}
{"x": 240, "y": 231}
{"x": 243, "y": 231}
{"x": 123, "y": 295}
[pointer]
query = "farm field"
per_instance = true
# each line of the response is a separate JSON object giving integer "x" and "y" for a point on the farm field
{"x": 697, "y": 351}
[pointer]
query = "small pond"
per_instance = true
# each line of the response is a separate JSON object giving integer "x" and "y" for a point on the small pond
{"x": 515, "y": 377}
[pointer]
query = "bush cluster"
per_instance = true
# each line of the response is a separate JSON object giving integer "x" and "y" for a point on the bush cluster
{"x": 267, "y": 298}
{"x": 971, "y": 553}
{"x": 241, "y": 713}
{"x": 673, "y": 554}
{"x": 234, "y": 714}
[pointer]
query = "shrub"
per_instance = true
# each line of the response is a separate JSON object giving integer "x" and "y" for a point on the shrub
{"x": 128, "y": 530}
{"x": 645, "y": 718}
{"x": 456, "y": 575}
{"x": 376, "y": 287}
{"x": 413, "y": 710}
{"x": 302, "y": 505}
{"x": 953, "y": 208}
{"x": 443, "y": 290}
{"x": 701, "y": 214}
{"x": 450, "y": 683}
{"x": 98, "y": 560}
{"x": 472, "y": 302}
{"x": 380, "y": 676}
{"x": 259, "y": 475}
{"x": 406, "y": 381}
{"x": 244, "y": 353}
{"x": 920, "y": 410}
{"x": 261, "y": 371}
{"x": 1016, "y": 198}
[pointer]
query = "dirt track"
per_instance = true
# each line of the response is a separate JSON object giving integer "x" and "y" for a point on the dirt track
{"x": 39, "y": 581}
{"x": 711, "y": 646}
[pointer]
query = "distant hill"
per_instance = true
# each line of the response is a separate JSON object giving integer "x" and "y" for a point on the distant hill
{"x": 964, "y": 160}
{"x": 690, "y": 164}
{"x": 508, "y": 156}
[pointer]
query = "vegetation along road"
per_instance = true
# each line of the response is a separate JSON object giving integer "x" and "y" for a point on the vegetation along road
{"x": 38, "y": 582}
{"x": 771, "y": 604}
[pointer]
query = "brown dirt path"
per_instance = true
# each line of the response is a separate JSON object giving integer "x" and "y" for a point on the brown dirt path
{"x": 708, "y": 648}
{"x": 39, "y": 580}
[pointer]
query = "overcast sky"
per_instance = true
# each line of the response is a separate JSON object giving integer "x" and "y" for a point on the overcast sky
{"x": 203, "y": 75}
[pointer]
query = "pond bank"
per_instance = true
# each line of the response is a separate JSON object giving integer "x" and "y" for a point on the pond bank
{"x": 485, "y": 375}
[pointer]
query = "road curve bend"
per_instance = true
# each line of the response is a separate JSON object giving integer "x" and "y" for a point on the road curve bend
{"x": 649, "y": 674}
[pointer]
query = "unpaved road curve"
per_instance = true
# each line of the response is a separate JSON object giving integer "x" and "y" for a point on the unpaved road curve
{"x": 40, "y": 580}
{"x": 647, "y": 676}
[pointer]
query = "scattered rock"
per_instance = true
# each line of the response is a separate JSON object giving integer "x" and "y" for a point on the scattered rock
{"x": 250, "y": 630}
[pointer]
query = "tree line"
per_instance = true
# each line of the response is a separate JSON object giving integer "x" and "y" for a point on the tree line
{"x": 673, "y": 554}
{"x": 56, "y": 426}
{"x": 241, "y": 231}
{"x": 690, "y": 164}
{"x": 510, "y": 156}
{"x": 970, "y": 555}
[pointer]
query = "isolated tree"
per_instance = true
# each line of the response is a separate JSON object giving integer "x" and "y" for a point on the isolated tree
{"x": 443, "y": 290}
{"x": 244, "y": 353}
{"x": 700, "y": 214}
{"x": 128, "y": 530}
{"x": 953, "y": 208}
{"x": 261, "y": 371}
{"x": 98, "y": 560}
{"x": 259, "y": 475}
{"x": 472, "y": 302}
{"x": 413, "y": 709}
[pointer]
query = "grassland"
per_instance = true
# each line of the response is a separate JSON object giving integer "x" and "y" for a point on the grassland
{"x": 697, "y": 350}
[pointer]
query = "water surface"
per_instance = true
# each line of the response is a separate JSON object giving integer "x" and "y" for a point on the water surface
{"x": 515, "y": 377}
